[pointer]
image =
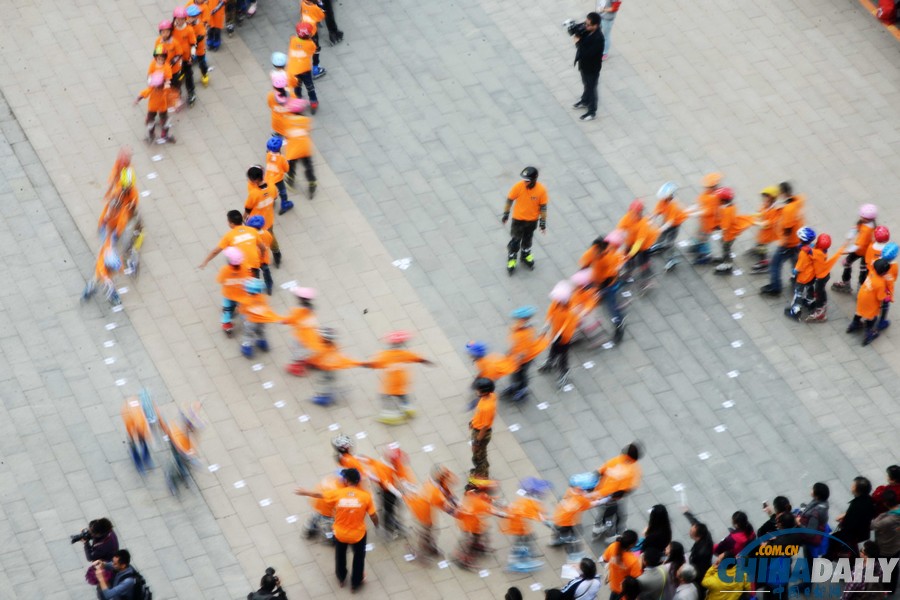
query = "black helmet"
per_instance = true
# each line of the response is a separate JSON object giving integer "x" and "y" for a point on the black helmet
{"x": 483, "y": 385}
{"x": 255, "y": 173}
{"x": 530, "y": 173}
{"x": 882, "y": 266}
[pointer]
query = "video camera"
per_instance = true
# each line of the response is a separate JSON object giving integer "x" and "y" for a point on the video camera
{"x": 575, "y": 28}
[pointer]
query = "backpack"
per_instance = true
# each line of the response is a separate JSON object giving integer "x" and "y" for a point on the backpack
{"x": 140, "y": 591}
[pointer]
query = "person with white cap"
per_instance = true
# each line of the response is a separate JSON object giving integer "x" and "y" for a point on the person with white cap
{"x": 670, "y": 215}
{"x": 562, "y": 322}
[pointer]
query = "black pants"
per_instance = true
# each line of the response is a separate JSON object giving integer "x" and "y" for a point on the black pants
{"x": 520, "y": 378}
{"x": 821, "y": 291}
{"x": 315, "y": 38}
{"x": 307, "y": 167}
{"x": 389, "y": 511}
{"x": 589, "y": 97}
{"x": 559, "y": 353}
{"x": 522, "y": 235}
{"x": 330, "y": 22}
{"x": 848, "y": 268}
{"x": 359, "y": 561}
{"x": 188, "y": 69}
{"x": 306, "y": 79}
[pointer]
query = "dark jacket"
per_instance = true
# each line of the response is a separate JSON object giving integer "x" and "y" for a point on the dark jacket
{"x": 855, "y": 526}
{"x": 278, "y": 594}
{"x": 589, "y": 53}
{"x": 102, "y": 549}
{"x": 121, "y": 586}
{"x": 701, "y": 552}
{"x": 814, "y": 516}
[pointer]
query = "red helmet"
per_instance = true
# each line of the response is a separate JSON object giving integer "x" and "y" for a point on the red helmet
{"x": 165, "y": 25}
{"x": 882, "y": 234}
{"x": 304, "y": 29}
{"x": 725, "y": 193}
{"x": 395, "y": 456}
{"x": 636, "y": 206}
{"x": 824, "y": 242}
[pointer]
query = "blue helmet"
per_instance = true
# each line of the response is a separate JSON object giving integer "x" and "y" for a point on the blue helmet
{"x": 890, "y": 251}
{"x": 256, "y": 221}
{"x": 254, "y": 286}
{"x": 535, "y": 487}
{"x": 523, "y": 312}
{"x": 806, "y": 234}
{"x": 279, "y": 59}
{"x": 193, "y": 10}
{"x": 274, "y": 144}
{"x": 585, "y": 481}
{"x": 112, "y": 260}
{"x": 476, "y": 349}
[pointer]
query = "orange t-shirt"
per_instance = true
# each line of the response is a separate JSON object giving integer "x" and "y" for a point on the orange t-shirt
{"x": 246, "y": 239}
{"x": 261, "y": 201}
{"x": 603, "y": 265}
{"x": 279, "y": 111}
{"x": 521, "y": 511}
{"x": 619, "y": 474}
{"x": 296, "y": 131}
{"x": 472, "y": 513}
{"x": 257, "y": 310}
{"x": 306, "y": 328}
{"x": 205, "y": 11}
{"x": 174, "y": 51}
{"x": 524, "y": 345}
{"x": 351, "y": 505}
{"x": 266, "y": 238}
{"x": 396, "y": 378}
{"x": 890, "y": 278}
{"x": 628, "y": 565}
{"x": 300, "y": 55}
{"x": 871, "y": 296}
{"x": 563, "y": 321}
{"x": 822, "y": 263}
{"x": 527, "y": 203}
{"x": 157, "y": 99}
{"x": 485, "y": 411}
{"x": 865, "y": 235}
{"x": 135, "y": 420}
{"x": 380, "y": 472}
{"x": 709, "y": 211}
{"x": 806, "y": 270}
{"x": 494, "y": 366}
{"x": 733, "y": 224}
{"x": 276, "y": 167}
{"x": 768, "y": 230}
{"x": 570, "y": 507}
{"x": 671, "y": 212}
{"x": 200, "y": 33}
{"x": 165, "y": 69}
{"x": 583, "y": 301}
{"x": 423, "y": 503}
{"x": 326, "y": 486}
{"x": 233, "y": 279}
{"x": 791, "y": 222}
{"x": 329, "y": 358}
{"x": 217, "y": 13}
{"x": 186, "y": 39}
{"x": 312, "y": 14}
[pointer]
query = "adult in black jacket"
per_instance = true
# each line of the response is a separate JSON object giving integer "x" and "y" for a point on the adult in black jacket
{"x": 589, "y": 58}
{"x": 701, "y": 555}
{"x": 855, "y": 524}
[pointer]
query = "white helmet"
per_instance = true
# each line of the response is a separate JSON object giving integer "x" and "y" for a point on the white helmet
{"x": 342, "y": 443}
{"x": 667, "y": 190}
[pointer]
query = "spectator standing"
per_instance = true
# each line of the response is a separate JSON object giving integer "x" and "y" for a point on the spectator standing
{"x": 608, "y": 9}
{"x": 716, "y": 589}
{"x": 701, "y": 554}
{"x": 675, "y": 559}
{"x": 854, "y": 525}
{"x": 790, "y": 222}
{"x": 814, "y": 516}
{"x": 124, "y": 577}
{"x": 893, "y": 483}
{"x": 686, "y": 589}
{"x": 779, "y": 505}
{"x": 586, "y": 586}
{"x": 653, "y": 579}
{"x": 658, "y": 534}
{"x": 887, "y": 530}
{"x": 739, "y": 535}
{"x": 623, "y": 563}
{"x": 589, "y": 58}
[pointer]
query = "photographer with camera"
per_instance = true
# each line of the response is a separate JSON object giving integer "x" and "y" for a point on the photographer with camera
{"x": 589, "y": 58}
{"x": 269, "y": 588}
{"x": 100, "y": 543}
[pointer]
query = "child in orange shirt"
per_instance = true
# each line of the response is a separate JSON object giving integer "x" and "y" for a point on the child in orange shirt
{"x": 562, "y": 323}
{"x": 872, "y": 294}
{"x": 174, "y": 53}
{"x": 471, "y": 516}
{"x": 770, "y": 216}
{"x": 395, "y": 405}
{"x": 640, "y": 236}
{"x": 822, "y": 266}
{"x": 276, "y": 168}
{"x": 157, "y": 107}
{"x": 731, "y": 224}
{"x": 865, "y": 228}
{"x": 392, "y": 477}
{"x": 256, "y": 313}
{"x": 187, "y": 39}
{"x": 604, "y": 259}
{"x": 216, "y": 23}
{"x": 297, "y": 129}
{"x": 489, "y": 366}
{"x": 138, "y": 430}
{"x": 708, "y": 210}
{"x": 434, "y": 494}
{"x": 622, "y": 561}
{"x": 306, "y": 330}
{"x": 106, "y": 266}
{"x": 232, "y": 277}
{"x": 583, "y": 302}
{"x": 525, "y": 346}
{"x": 326, "y": 362}
{"x": 671, "y": 215}
{"x": 520, "y": 513}
{"x": 481, "y": 427}
{"x": 300, "y": 57}
{"x": 322, "y": 520}
{"x": 123, "y": 161}
{"x": 261, "y": 201}
{"x": 195, "y": 21}
{"x": 888, "y": 253}
{"x": 567, "y": 515}
{"x": 312, "y": 14}
{"x": 265, "y": 237}
{"x": 804, "y": 275}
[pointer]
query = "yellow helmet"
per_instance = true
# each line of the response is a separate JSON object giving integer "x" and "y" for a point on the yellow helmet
{"x": 126, "y": 178}
{"x": 772, "y": 191}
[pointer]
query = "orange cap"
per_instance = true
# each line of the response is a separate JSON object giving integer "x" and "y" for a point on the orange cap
{"x": 712, "y": 179}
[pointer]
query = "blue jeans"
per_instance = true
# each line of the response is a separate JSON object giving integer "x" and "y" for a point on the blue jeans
{"x": 608, "y": 297}
{"x": 779, "y": 257}
{"x": 282, "y": 191}
{"x": 606, "y": 28}
{"x": 306, "y": 80}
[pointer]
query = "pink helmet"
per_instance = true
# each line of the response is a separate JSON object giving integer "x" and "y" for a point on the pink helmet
{"x": 307, "y": 293}
{"x": 581, "y": 278}
{"x": 180, "y": 12}
{"x": 561, "y": 292}
{"x": 868, "y": 212}
{"x": 157, "y": 79}
{"x": 297, "y": 105}
{"x": 279, "y": 79}
{"x": 615, "y": 238}
{"x": 636, "y": 206}
{"x": 165, "y": 25}
{"x": 233, "y": 255}
{"x": 397, "y": 337}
